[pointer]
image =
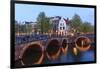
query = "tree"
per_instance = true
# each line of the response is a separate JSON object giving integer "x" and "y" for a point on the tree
{"x": 43, "y": 23}
{"x": 22, "y": 28}
{"x": 17, "y": 27}
{"x": 76, "y": 22}
{"x": 29, "y": 28}
{"x": 40, "y": 21}
{"x": 47, "y": 25}
{"x": 86, "y": 27}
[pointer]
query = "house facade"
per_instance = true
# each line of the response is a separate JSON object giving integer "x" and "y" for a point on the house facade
{"x": 60, "y": 25}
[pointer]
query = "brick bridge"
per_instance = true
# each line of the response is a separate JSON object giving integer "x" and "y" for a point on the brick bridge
{"x": 51, "y": 48}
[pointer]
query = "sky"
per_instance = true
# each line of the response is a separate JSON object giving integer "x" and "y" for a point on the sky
{"x": 29, "y": 12}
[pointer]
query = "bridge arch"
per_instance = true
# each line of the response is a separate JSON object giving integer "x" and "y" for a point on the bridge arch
{"x": 53, "y": 49}
{"x": 32, "y": 54}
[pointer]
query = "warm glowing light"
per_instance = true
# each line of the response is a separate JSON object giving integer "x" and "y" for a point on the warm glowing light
{"x": 75, "y": 50}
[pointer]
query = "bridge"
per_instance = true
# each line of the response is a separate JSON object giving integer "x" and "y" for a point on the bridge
{"x": 36, "y": 51}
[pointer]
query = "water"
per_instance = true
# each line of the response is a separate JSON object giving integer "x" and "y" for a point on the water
{"x": 82, "y": 56}
{"x": 70, "y": 57}
{"x": 87, "y": 56}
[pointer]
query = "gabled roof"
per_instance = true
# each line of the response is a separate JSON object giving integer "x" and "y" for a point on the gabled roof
{"x": 67, "y": 21}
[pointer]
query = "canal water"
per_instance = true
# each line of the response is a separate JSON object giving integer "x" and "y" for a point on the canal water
{"x": 70, "y": 57}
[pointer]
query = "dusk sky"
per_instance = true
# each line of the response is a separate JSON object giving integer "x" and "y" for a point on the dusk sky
{"x": 29, "y": 12}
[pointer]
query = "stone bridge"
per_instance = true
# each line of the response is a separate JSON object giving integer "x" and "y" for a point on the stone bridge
{"x": 35, "y": 52}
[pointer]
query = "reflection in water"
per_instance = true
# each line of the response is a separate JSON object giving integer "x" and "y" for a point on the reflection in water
{"x": 87, "y": 56}
{"x": 71, "y": 57}
{"x": 72, "y": 54}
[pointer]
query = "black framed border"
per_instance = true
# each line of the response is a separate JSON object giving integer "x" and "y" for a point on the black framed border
{"x": 12, "y": 19}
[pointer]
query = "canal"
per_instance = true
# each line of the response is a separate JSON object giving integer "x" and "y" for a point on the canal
{"x": 72, "y": 55}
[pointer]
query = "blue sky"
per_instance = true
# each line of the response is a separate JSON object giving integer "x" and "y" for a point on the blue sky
{"x": 29, "y": 12}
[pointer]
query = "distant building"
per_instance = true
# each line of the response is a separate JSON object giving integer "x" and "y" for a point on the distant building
{"x": 60, "y": 25}
{"x": 34, "y": 27}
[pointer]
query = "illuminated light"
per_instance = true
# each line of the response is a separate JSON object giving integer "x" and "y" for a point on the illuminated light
{"x": 64, "y": 50}
{"x": 75, "y": 50}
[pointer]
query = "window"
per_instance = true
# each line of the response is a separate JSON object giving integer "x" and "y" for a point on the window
{"x": 61, "y": 24}
{"x": 60, "y": 28}
{"x": 63, "y": 28}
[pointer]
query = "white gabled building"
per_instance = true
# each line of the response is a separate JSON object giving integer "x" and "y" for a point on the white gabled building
{"x": 60, "y": 25}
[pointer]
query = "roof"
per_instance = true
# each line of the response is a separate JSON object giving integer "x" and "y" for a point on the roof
{"x": 66, "y": 20}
